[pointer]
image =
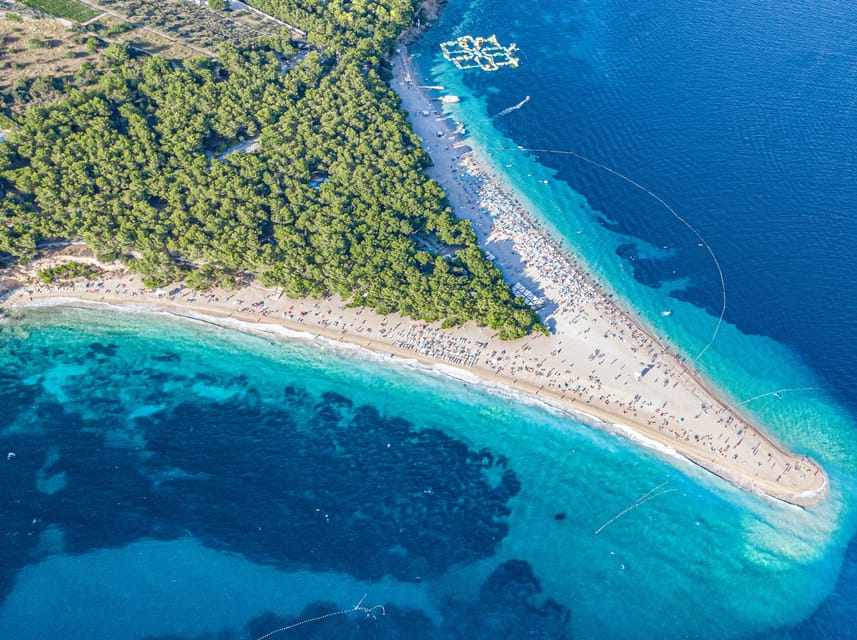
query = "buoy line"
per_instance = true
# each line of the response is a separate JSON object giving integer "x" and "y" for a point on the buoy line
{"x": 662, "y": 203}
{"x": 776, "y": 393}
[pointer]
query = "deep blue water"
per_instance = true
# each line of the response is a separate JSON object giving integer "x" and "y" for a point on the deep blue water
{"x": 742, "y": 117}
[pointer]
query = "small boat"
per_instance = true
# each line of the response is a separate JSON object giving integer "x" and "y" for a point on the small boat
{"x": 666, "y": 313}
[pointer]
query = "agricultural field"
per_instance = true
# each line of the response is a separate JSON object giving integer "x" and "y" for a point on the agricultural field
{"x": 117, "y": 30}
{"x": 69, "y": 9}
{"x": 252, "y": 19}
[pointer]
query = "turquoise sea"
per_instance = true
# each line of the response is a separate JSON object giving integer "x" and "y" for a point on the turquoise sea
{"x": 163, "y": 478}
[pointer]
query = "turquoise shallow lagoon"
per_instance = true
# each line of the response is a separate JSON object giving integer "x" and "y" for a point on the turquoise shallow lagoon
{"x": 219, "y": 484}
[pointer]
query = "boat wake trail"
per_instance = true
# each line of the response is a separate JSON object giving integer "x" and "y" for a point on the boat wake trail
{"x": 368, "y": 611}
{"x": 661, "y": 201}
{"x": 509, "y": 110}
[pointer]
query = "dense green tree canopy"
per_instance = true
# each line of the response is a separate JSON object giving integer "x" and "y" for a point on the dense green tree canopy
{"x": 366, "y": 25}
{"x": 335, "y": 201}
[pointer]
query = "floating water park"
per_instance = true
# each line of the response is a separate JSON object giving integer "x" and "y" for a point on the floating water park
{"x": 469, "y": 52}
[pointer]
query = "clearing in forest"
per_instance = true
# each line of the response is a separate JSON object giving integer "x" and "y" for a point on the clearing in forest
{"x": 44, "y": 48}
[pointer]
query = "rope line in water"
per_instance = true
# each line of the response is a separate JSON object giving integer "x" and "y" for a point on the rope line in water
{"x": 369, "y": 611}
{"x": 774, "y": 393}
{"x": 651, "y": 494}
{"x": 665, "y": 205}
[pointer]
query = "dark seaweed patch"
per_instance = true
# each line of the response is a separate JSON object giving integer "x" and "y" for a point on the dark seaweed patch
{"x": 108, "y": 350}
{"x": 314, "y": 482}
{"x": 343, "y": 494}
{"x": 167, "y": 356}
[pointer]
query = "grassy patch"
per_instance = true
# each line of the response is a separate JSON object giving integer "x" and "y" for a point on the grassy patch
{"x": 20, "y": 65}
{"x": 71, "y": 9}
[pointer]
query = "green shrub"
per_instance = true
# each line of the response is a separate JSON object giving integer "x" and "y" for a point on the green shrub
{"x": 67, "y": 271}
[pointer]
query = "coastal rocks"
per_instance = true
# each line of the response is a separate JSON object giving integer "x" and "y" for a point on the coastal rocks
{"x": 428, "y": 12}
